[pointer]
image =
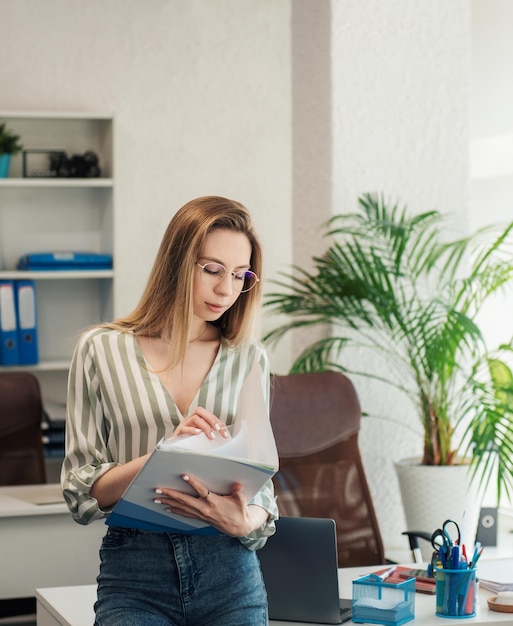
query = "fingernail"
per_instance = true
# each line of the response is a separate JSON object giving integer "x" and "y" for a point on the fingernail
{"x": 212, "y": 434}
{"x": 185, "y": 477}
{"x": 157, "y": 501}
{"x": 218, "y": 426}
{"x": 158, "y": 492}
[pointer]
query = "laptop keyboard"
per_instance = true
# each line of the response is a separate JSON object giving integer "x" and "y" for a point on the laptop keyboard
{"x": 345, "y": 610}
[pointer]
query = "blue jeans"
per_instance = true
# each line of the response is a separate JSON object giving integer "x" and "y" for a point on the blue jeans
{"x": 164, "y": 579}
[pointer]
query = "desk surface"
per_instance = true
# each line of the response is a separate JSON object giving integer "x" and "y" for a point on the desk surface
{"x": 40, "y": 544}
{"x": 25, "y": 500}
{"x": 73, "y": 606}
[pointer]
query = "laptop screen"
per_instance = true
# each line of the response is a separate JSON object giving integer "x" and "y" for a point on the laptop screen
{"x": 300, "y": 570}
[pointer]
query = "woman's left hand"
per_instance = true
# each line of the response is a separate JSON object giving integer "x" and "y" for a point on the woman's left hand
{"x": 229, "y": 514}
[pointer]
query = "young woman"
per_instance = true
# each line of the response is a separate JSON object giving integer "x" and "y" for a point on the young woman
{"x": 176, "y": 365}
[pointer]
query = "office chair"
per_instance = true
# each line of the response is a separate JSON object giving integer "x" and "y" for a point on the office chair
{"x": 316, "y": 420}
{"x": 21, "y": 446}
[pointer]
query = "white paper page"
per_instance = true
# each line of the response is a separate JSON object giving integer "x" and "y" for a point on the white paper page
{"x": 496, "y": 570}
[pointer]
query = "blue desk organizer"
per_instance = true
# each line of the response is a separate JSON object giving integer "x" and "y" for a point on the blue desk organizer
{"x": 378, "y": 602}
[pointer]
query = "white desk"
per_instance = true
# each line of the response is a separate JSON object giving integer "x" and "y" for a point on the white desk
{"x": 73, "y": 606}
{"x": 40, "y": 544}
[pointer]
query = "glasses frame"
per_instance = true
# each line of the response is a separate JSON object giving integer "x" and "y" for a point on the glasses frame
{"x": 234, "y": 274}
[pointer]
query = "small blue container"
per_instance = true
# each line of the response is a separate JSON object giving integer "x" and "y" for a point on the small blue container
{"x": 379, "y": 602}
{"x": 5, "y": 161}
{"x": 456, "y": 592}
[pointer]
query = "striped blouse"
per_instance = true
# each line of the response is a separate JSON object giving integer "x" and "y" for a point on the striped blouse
{"x": 118, "y": 410}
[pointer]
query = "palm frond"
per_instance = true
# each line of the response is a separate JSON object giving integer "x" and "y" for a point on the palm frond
{"x": 398, "y": 286}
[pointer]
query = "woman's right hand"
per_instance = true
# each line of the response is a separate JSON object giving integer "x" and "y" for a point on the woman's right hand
{"x": 201, "y": 421}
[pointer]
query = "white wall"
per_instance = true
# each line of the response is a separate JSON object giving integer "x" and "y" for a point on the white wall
{"x": 492, "y": 137}
{"x": 201, "y": 94}
{"x": 400, "y": 115}
{"x": 491, "y": 156}
{"x": 294, "y": 107}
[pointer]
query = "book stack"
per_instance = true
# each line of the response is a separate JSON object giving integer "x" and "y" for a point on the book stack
{"x": 400, "y": 573}
{"x": 496, "y": 575}
{"x": 53, "y": 429}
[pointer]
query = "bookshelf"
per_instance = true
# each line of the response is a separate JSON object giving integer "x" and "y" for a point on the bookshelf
{"x": 52, "y": 214}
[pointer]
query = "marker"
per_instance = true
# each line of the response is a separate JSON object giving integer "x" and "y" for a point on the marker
{"x": 388, "y": 572}
{"x": 455, "y": 557}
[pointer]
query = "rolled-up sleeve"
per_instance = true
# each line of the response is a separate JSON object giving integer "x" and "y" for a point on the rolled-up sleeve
{"x": 86, "y": 457}
{"x": 265, "y": 497}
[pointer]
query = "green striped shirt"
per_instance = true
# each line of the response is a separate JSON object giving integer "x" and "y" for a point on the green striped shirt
{"x": 118, "y": 410}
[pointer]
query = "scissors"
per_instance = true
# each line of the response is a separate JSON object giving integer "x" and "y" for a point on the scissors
{"x": 447, "y": 547}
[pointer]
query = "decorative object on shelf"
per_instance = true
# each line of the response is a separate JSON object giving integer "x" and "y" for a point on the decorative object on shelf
{"x": 57, "y": 164}
{"x": 394, "y": 285}
{"x": 36, "y": 162}
{"x": 77, "y": 166}
{"x": 9, "y": 146}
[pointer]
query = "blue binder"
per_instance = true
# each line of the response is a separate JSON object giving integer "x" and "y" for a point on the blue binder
{"x": 9, "y": 353}
{"x": 52, "y": 261}
{"x": 26, "y": 309}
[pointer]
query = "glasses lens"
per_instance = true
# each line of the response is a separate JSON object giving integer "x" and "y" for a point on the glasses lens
{"x": 249, "y": 281}
{"x": 242, "y": 281}
{"x": 215, "y": 270}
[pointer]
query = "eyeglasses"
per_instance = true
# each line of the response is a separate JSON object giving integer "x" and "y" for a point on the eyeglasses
{"x": 242, "y": 281}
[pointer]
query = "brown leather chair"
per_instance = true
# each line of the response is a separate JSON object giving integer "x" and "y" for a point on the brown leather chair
{"x": 316, "y": 420}
{"x": 21, "y": 446}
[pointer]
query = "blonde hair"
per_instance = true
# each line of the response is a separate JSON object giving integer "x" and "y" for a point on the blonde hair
{"x": 166, "y": 303}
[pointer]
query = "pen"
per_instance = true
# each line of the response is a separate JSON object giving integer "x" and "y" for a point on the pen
{"x": 443, "y": 557}
{"x": 388, "y": 572}
{"x": 475, "y": 558}
{"x": 477, "y": 545}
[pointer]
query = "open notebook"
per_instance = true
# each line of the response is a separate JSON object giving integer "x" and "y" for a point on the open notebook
{"x": 300, "y": 570}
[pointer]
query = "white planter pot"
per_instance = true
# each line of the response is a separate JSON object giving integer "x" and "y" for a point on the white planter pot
{"x": 432, "y": 494}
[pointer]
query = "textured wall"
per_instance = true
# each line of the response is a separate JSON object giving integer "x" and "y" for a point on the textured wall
{"x": 201, "y": 95}
{"x": 492, "y": 137}
{"x": 311, "y": 100}
{"x": 400, "y": 126}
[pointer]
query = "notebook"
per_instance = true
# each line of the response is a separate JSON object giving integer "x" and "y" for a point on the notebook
{"x": 300, "y": 570}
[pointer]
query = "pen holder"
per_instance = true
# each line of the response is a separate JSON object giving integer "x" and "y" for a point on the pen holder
{"x": 456, "y": 592}
{"x": 380, "y": 602}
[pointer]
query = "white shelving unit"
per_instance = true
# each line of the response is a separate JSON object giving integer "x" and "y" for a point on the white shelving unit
{"x": 59, "y": 214}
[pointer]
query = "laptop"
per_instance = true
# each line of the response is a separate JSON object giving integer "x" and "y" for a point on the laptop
{"x": 300, "y": 570}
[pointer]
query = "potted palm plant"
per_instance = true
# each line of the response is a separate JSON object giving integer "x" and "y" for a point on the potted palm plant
{"x": 392, "y": 284}
{"x": 9, "y": 146}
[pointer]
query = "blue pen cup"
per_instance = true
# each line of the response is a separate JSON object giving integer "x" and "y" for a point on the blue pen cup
{"x": 456, "y": 592}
